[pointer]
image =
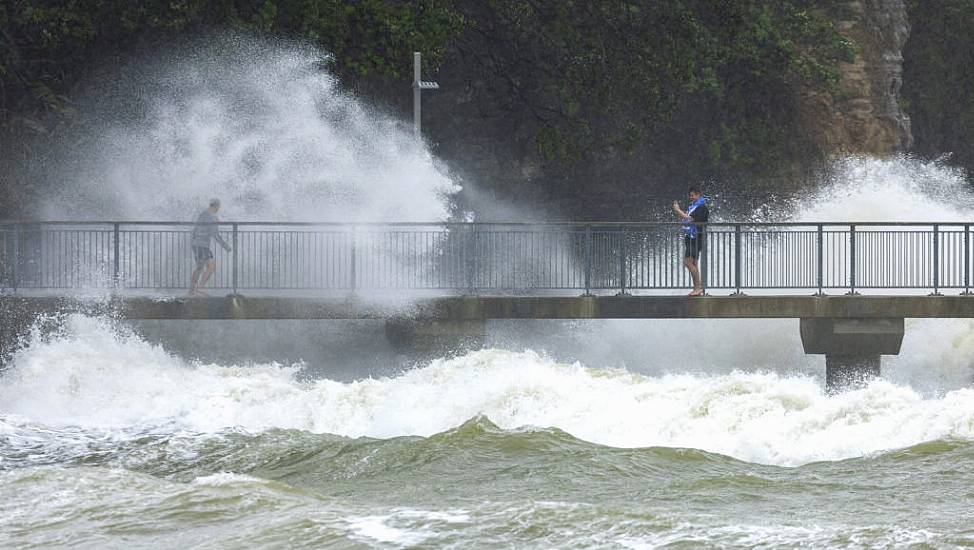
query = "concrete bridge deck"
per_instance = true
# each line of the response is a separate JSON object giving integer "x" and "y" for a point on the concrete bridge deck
{"x": 477, "y": 308}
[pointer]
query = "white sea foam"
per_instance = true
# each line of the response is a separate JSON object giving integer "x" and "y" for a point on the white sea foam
{"x": 404, "y": 527}
{"x": 94, "y": 377}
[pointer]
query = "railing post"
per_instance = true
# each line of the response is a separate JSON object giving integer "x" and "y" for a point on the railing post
{"x": 967, "y": 260}
{"x": 233, "y": 254}
{"x": 116, "y": 234}
{"x": 703, "y": 260}
{"x": 353, "y": 259}
{"x": 15, "y": 272}
{"x": 936, "y": 260}
{"x": 623, "y": 253}
{"x": 737, "y": 260}
{"x": 588, "y": 260}
{"x": 469, "y": 258}
{"x": 820, "y": 244}
{"x": 852, "y": 260}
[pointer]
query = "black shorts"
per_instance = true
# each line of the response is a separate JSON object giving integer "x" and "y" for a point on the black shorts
{"x": 202, "y": 254}
{"x": 692, "y": 247}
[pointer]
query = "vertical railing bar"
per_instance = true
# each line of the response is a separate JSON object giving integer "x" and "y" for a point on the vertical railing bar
{"x": 936, "y": 259}
{"x": 967, "y": 259}
{"x": 588, "y": 260}
{"x": 737, "y": 259}
{"x": 353, "y": 259}
{"x": 910, "y": 254}
{"x": 852, "y": 259}
{"x": 513, "y": 247}
{"x": 703, "y": 260}
{"x": 15, "y": 275}
{"x": 469, "y": 257}
{"x": 622, "y": 262}
{"x": 234, "y": 258}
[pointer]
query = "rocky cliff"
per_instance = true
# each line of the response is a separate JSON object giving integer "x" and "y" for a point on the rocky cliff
{"x": 865, "y": 115}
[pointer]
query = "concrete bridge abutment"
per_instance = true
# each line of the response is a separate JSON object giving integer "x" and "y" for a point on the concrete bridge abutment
{"x": 852, "y": 347}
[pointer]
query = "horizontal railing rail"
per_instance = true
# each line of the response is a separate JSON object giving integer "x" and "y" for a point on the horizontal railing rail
{"x": 480, "y": 223}
{"x": 477, "y": 257}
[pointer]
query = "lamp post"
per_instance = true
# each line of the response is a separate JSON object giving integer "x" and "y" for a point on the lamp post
{"x": 418, "y": 87}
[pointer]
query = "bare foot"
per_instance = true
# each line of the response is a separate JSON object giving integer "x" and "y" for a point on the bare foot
{"x": 200, "y": 293}
{"x": 696, "y": 293}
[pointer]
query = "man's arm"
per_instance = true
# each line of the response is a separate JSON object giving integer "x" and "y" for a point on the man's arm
{"x": 219, "y": 239}
{"x": 683, "y": 215}
{"x": 214, "y": 229}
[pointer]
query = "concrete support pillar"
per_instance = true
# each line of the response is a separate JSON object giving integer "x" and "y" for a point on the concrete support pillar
{"x": 850, "y": 371}
{"x": 852, "y": 348}
{"x": 435, "y": 337}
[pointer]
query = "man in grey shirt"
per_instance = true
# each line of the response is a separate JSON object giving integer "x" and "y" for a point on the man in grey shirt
{"x": 206, "y": 228}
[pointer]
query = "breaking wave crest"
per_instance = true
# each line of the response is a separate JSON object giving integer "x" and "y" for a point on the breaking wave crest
{"x": 96, "y": 376}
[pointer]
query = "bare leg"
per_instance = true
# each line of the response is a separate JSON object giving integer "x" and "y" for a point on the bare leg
{"x": 209, "y": 269}
{"x": 691, "y": 265}
{"x": 194, "y": 279}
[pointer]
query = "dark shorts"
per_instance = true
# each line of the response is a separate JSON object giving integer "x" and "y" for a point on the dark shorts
{"x": 202, "y": 254}
{"x": 692, "y": 247}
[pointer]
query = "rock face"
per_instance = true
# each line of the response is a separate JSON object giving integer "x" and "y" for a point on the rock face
{"x": 865, "y": 115}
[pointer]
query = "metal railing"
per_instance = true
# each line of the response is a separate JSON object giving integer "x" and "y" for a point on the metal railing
{"x": 487, "y": 257}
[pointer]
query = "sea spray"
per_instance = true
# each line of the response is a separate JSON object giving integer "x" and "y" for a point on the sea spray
{"x": 937, "y": 354}
{"x": 898, "y": 188}
{"x": 265, "y": 126}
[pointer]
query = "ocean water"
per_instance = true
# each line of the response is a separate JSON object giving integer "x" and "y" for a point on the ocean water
{"x": 107, "y": 441}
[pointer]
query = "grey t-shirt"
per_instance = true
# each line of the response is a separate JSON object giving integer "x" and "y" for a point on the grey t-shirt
{"x": 206, "y": 229}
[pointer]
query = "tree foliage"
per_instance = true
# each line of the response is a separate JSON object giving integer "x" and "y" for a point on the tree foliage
{"x": 702, "y": 87}
{"x": 45, "y": 47}
{"x": 710, "y": 82}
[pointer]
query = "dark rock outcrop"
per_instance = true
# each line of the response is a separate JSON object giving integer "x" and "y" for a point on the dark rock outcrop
{"x": 865, "y": 115}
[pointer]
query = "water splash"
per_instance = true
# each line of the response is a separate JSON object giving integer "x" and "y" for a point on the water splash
{"x": 262, "y": 125}
{"x": 95, "y": 378}
{"x": 899, "y": 188}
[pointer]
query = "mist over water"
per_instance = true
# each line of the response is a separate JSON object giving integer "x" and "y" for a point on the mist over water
{"x": 262, "y": 125}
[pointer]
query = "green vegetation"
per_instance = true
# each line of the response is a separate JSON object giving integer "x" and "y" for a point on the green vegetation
{"x": 722, "y": 75}
{"x": 582, "y": 90}
{"x": 46, "y": 47}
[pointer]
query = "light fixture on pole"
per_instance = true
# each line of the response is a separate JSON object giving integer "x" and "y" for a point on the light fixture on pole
{"x": 418, "y": 86}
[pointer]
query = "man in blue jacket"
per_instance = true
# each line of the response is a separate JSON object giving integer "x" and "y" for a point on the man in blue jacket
{"x": 694, "y": 236}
